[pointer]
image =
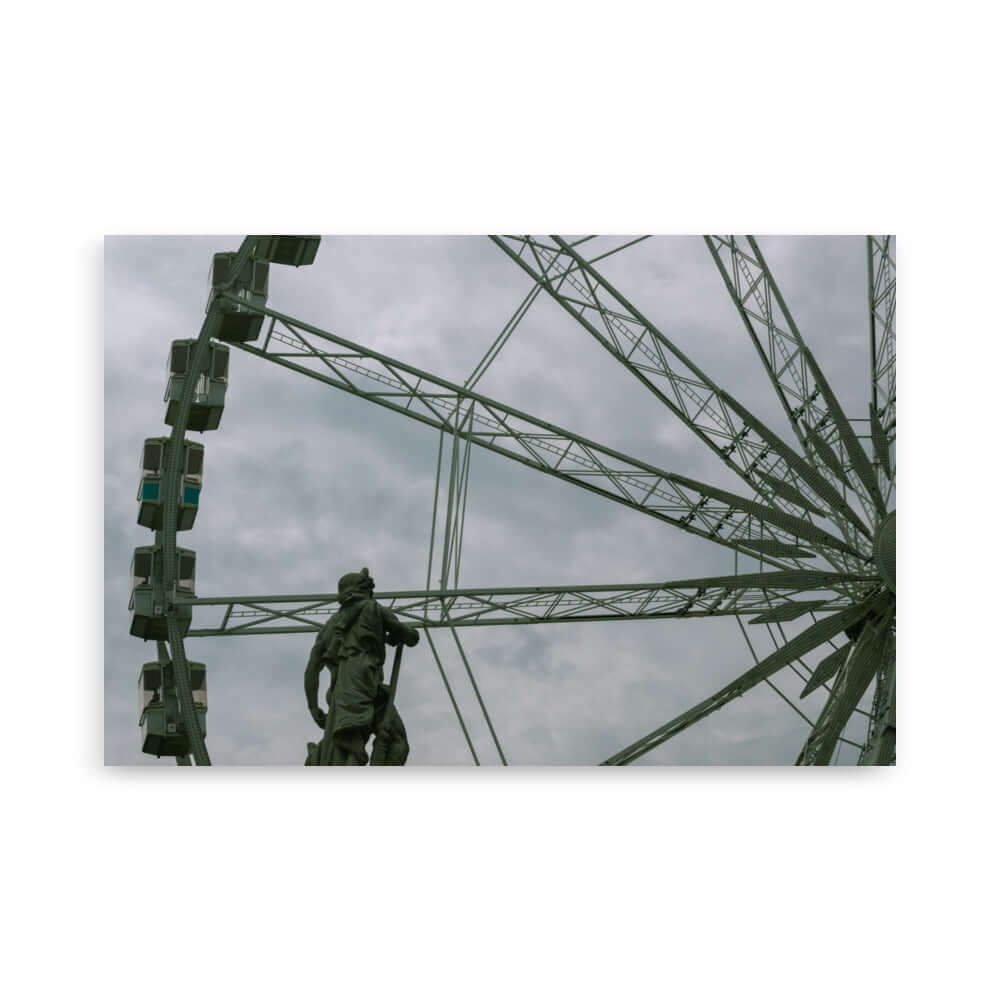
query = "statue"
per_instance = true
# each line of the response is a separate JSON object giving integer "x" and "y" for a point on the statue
{"x": 352, "y": 644}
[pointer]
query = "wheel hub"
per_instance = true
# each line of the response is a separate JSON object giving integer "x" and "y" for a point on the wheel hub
{"x": 885, "y": 550}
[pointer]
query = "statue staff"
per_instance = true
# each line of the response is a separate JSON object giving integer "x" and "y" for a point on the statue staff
{"x": 385, "y": 737}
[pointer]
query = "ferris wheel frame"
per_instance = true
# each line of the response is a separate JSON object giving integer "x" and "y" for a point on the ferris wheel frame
{"x": 842, "y": 479}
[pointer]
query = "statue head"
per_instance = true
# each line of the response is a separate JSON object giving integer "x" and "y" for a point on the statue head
{"x": 353, "y": 585}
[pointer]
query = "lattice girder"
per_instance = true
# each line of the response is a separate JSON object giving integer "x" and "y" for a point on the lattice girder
{"x": 755, "y": 453}
{"x": 810, "y": 404}
{"x": 695, "y": 507}
{"x": 774, "y": 594}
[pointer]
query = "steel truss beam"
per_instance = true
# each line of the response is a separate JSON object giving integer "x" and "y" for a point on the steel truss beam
{"x": 813, "y": 409}
{"x": 783, "y": 478}
{"x": 882, "y": 320}
{"x": 880, "y": 747}
{"x": 773, "y": 595}
{"x": 754, "y": 528}
{"x": 806, "y": 641}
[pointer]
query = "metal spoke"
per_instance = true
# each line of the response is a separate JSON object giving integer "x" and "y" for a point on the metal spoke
{"x": 827, "y": 668}
{"x": 618, "y": 249}
{"x": 803, "y": 643}
{"x": 451, "y": 698}
{"x": 695, "y": 507}
{"x": 479, "y": 697}
{"x": 758, "y": 455}
{"x": 880, "y": 747}
{"x": 809, "y": 402}
{"x": 781, "y": 694}
{"x": 505, "y": 334}
{"x": 852, "y": 681}
{"x": 744, "y": 594}
{"x": 784, "y": 639}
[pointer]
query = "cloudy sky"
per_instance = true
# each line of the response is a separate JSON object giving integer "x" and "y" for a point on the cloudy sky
{"x": 304, "y": 483}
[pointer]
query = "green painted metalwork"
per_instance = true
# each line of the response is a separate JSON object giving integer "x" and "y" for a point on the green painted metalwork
{"x": 488, "y": 423}
{"x": 770, "y": 547}
{"x": 745, "y": 594}
{"x": 880, "y": 747}
{"x": 789, "y": 492}
{"x": 852, "y": 681}
{"x": 807, "y": 397}
{"x": 882, "y": 325}
{"x": 198, "y": 360}
{"x": 294, "y": 251}
{"x": 505, "y": 334}
{"x": 789, "y": 611}
{"x": 827, "y": 668}
{"x": 882, "y": 317}
{"x": 885, "y": 551}
{"x": 479, "y": 697}
{"x": 781, "y": 694}
{"x": 808, "y": 640}
{"x": 454, "y": 703}
{"x": 880, "y": 442}
{"x": 855, "y": 592}
{"x": 238, "y": 280}
{"x": 718, "y": 420}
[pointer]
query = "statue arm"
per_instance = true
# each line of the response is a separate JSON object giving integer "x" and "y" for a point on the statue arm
{"x": 397, "y": 631}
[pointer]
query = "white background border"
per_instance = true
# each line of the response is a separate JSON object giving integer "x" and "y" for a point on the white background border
{"x": 447, "y": 118}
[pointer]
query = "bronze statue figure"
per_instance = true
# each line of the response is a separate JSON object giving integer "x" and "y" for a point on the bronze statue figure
{"x": 352, "y": 645}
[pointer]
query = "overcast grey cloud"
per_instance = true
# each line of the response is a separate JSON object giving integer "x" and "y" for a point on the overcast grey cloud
{"x": 304, "y": 482}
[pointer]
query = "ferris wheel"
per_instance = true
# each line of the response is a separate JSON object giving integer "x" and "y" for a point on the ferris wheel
{"x": 811, "y": 527}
